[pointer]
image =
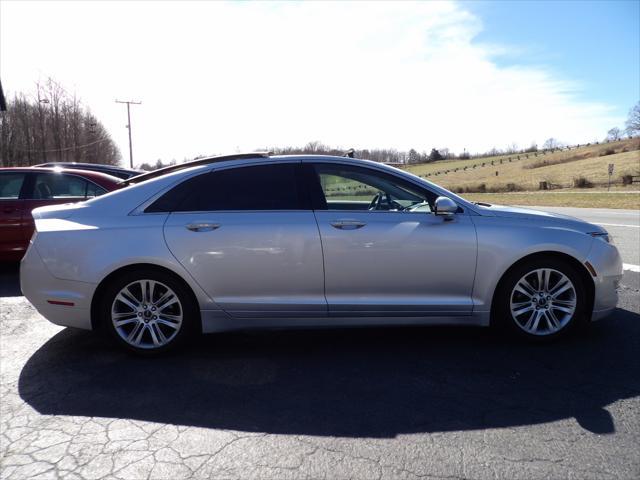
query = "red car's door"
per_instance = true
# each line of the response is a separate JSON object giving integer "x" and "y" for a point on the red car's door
{"x": 12, "y": 234}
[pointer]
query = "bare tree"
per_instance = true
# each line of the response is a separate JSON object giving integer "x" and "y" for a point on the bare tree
{"x": 614, "y": 134}
{"x": 633, "y": 121}
{"x": 513, "y": 148}
{"x": 550, "y": 144}
{"x": 52, "y": 125}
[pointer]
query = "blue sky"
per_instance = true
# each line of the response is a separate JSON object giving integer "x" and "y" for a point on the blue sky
{"x": 217, "y": 77}
{"x": 596, "y": 43}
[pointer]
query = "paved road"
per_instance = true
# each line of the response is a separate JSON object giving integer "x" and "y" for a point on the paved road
{"x": 408, "y": 403}
{"x": 624, "y": 225}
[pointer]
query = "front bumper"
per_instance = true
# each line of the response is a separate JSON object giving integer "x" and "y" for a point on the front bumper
{"x": 63, "y": 302}
{"x": 607, "y": 264}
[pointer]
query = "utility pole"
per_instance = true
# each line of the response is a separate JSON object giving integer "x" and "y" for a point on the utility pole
{"x": 129, "y": 102}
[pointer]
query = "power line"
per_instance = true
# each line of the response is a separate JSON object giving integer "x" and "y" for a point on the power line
{"x": 104, "y": 139}
{"x": 129, "y": 102}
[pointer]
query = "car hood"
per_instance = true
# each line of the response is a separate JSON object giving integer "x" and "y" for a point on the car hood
{"x": 556, "y": 219}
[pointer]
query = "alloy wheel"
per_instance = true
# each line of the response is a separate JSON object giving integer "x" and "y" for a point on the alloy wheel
{"x": 147, "y": 314}
{"x": 543, "y": 301}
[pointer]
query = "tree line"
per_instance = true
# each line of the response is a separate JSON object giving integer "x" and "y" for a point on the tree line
{"x": 51, "y": 125}
{"x": 386, "y": 155}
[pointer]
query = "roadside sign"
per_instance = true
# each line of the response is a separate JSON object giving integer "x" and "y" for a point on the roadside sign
{"x": 610, "y": 173}
{"x": 611, "y": 169}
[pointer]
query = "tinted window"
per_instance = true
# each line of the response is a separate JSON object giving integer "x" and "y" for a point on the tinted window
{"x": 263, "y": 187}
{"x": 58, "y": 185}
{"x": 11, "y": 184}
{"x": 173, "y": 200}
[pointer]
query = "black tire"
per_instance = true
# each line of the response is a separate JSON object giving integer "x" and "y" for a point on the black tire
{"x": 503, "y": 318}
{"x": 186, "y": 306}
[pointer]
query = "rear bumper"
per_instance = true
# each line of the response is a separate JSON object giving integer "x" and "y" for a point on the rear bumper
{"x": 63, "y": 302}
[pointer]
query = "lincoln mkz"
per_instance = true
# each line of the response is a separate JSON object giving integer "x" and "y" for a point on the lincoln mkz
{"x": 261, "y": 241}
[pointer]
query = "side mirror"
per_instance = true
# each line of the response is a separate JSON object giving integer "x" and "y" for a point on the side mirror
{"x": 445, "y": 206}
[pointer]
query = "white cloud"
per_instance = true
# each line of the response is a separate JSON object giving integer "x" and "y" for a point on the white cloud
{"x": 216, "y": 77}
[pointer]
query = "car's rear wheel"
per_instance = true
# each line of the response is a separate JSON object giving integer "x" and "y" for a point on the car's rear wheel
{"x": 541, "y": 299}
{"x": 148, "y": 312}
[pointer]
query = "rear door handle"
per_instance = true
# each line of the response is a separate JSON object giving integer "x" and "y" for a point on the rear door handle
{"x": 202, "y": 227}
{"x": 348, "y": 224}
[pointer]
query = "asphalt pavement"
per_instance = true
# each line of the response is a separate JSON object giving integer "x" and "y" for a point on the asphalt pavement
{"x": 403, "y": 403}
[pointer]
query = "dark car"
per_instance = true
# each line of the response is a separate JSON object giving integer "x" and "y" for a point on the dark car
{"x": 119, "y": 172}
{"x": 23, "y": 189}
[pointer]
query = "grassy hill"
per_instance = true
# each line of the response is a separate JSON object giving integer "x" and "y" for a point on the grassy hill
{"x": 524, "y": 172}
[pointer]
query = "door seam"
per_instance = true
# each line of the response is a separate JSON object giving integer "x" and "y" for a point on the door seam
{"x": 324, "y": 273}
{"x": 164, "y": 237}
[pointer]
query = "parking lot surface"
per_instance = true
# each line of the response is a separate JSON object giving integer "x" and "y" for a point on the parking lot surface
{"x": 404, "y": 403}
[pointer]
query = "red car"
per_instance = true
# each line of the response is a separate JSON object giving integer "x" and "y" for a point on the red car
{"x": 23, "y": 189}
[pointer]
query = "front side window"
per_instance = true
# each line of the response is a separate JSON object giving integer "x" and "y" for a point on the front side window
{"x": 354, "y": 188}
{"x": 10, "y": 185}
{"x": 261, "y": 187}
{"x": 59, "y": 185}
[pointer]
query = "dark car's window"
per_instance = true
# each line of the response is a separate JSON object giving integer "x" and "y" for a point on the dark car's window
{"x": 11, "y": 184}
{"x": 352, "y": 188}
{"x": 59, "y": 185}
{"x": 262, "y": 187}
{"x": 94, "y": 190}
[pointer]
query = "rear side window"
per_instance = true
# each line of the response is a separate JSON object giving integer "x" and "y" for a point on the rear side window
{"x": 10, "y": 185}
{"x": 58, "y": 185}
{"x": 261, "y": 187}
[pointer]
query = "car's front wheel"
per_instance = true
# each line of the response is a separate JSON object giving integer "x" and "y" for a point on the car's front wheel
{"x": 541, "y": 299}
{"x": 148, "y": 312}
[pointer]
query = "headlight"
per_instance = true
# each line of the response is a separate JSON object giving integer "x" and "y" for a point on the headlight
{"x": 604, "y": 236}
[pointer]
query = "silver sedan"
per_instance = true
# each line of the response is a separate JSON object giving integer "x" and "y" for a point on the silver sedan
{"x": 258, "y": 241}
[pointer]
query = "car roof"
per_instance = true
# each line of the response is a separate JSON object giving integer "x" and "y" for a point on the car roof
{"x": 99, "y": 177}
{"x": 86, "y": 164}
{"x": 230, "y": 158}
{"x": 99, "y": 167}
{"x": 194, "y": 163}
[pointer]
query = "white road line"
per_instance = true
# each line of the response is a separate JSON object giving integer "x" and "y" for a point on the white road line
{"x": 630, "y": 267}
{"x": 617, "y": 225}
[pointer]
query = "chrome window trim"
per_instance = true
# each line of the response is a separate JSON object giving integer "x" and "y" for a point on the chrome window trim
{"x": 213, "y": 212}
{"x": 467, "y": 207}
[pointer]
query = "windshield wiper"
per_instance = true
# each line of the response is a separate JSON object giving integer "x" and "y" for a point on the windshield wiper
{"x": 482, "y": 204}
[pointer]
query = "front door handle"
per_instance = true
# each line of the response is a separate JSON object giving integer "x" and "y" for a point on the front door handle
{"x": 348, "y": 224}
{"x": 202, "y": 227}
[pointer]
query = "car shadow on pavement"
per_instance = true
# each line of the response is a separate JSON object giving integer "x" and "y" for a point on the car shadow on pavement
{"x": 9, "y": 280}
{"x": 364, "y": 383}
